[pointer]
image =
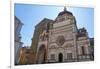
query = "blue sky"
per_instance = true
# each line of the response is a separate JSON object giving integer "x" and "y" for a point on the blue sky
{"x": 30, "y": 15}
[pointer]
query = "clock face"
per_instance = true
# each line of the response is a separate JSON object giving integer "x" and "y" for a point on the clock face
{"x": 60, "y": 40}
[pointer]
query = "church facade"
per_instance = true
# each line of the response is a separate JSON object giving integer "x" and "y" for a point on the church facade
{"x": 60, "y": 40}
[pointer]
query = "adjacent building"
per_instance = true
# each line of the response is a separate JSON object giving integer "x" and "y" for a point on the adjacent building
{"x": 92, "y": 48}
{"x": 26, "y": 56}
{"x": 17, "y": 38}
{"x": 39, "y": 28}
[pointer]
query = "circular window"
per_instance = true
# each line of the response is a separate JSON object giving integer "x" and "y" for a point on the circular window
{"x": 60, "y": 40}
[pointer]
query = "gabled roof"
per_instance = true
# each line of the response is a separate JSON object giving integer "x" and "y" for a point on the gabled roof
{"x": 45, "y": 20}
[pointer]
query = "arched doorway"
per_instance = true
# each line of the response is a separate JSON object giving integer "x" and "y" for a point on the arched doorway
{"x": 41, "y": 56}
{"x": 60, "y": 57}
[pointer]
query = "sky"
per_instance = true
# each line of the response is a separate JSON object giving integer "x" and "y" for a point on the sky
{"x": 30, "y": 15}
